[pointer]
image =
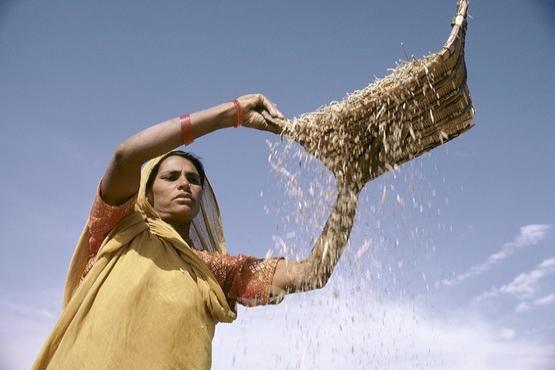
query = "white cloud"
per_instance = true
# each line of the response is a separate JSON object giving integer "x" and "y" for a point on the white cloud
{"x": 322, "y": 330}
{"x": 523, "y": 307}
{"x": 544, "y": 301}
{"x": 528, "y": 306}
{"x": 23, "y": 330}
{"x": 507, "y": 333}
{"x": 334, "y": 328}
{"x": 529, "y": 235}
{"x": 525, "y": 285}
{"x": 21, "y": 310}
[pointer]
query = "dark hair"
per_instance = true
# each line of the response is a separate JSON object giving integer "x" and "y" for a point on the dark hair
{"x": 189, "y": 156}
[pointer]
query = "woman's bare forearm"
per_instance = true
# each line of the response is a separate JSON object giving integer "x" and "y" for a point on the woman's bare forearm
{"x": 166, "y": 136}
{"x": 315, "y": 271}
{"x": 122, "y": 177}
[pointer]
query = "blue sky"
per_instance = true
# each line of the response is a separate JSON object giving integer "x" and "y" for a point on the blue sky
{"x": 451, "y": 262}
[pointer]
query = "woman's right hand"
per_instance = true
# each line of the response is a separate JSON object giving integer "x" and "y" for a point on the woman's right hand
{"x": 255, "y": 107}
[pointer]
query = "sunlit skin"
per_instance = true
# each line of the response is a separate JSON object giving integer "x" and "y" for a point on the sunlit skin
{"x": 176, "y": 193}
{"x": 176, "y": 190}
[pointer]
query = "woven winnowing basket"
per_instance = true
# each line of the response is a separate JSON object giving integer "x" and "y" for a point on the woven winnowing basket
{"x": 419, "y": 106}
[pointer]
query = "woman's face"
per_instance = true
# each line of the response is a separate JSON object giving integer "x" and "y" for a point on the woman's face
{"x": 177, "y": 190}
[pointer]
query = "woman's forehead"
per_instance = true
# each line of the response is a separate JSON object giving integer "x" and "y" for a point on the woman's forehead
{"x": 177, "y": 163}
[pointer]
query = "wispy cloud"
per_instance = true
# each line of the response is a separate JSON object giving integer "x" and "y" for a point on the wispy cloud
{"x": 525, "y": 285}
{"x": 26, "y": 318}
{"x": 18, "y": 309}
{"x": 507, "y": 333}
{"x": 23, "y": 331}
{"x": 326, "y": 329}
{"x": 351, "y": 331}
{"x": 528, "y": 306}
{"x": 529, "y": 235}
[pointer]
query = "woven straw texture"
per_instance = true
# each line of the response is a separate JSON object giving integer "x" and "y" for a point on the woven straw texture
{"x": 420, "y": 105}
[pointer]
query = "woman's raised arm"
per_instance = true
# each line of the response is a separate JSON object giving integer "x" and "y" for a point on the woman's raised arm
{"x": 314, "y": 272}
{"x": 122, "y": 176}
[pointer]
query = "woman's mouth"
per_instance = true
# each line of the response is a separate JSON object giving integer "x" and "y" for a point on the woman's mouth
{"x": 184, "y": 196}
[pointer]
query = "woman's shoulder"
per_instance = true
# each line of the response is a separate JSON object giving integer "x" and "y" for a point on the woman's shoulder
{"x": 104, "y": 217}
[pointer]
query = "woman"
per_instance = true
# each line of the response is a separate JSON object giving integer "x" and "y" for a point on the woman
{"x": 149, "y": 278}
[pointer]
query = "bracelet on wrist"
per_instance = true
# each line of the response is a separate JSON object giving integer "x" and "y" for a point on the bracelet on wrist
{"x": 186, "y": 129}
{"x": 238, "y": 113}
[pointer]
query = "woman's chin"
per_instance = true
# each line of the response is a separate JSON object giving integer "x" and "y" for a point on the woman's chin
{"x": 179, "y": 218}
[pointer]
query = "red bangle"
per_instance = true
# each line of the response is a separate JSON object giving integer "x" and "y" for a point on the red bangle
{"x": 186, "y": 129}
{"x": 239, "y": 111}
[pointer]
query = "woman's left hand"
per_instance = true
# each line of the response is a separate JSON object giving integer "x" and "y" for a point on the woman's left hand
{"x": 260, "y": 113}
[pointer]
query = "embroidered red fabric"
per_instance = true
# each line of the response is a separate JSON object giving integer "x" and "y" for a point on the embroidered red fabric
{"x": 246, "y": 280}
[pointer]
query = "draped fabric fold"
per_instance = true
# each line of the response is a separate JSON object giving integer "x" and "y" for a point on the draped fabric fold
{"x": 149, "y": 302}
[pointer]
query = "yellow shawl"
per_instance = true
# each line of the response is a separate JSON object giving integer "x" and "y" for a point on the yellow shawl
{"x": 148, "y": 302}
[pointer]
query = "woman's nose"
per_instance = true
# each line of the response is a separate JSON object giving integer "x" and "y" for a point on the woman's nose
{"x": 184, "y": 183}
